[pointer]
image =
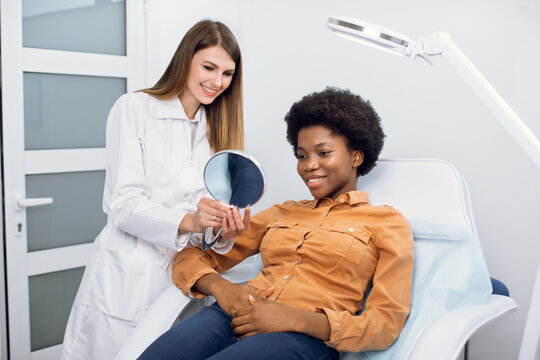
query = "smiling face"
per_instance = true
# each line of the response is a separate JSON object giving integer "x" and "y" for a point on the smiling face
{"x": 210, "y": 74}
{"x": 326, "y": 163}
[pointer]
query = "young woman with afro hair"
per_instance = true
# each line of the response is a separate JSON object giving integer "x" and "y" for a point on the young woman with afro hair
{"x": 320, "y": 256}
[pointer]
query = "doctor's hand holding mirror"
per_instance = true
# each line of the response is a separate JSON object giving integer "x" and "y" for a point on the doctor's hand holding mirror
{"x": 235, "y": 178}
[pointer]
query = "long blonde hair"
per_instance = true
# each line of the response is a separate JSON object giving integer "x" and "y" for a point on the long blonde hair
{"x": 225, "y": 115}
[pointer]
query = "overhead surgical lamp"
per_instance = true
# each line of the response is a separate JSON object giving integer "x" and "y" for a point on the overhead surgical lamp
{"x": 441, "y": 44}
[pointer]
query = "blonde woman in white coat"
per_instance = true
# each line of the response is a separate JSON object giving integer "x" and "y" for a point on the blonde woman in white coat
{"x": 158, "y": 141}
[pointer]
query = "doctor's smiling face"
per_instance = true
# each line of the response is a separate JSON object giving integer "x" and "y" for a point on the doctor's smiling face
{"x": 326, "y": 163}
{"x": 210, "y": 74}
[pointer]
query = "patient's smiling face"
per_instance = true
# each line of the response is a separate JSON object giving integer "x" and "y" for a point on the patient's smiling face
{"x": 326, "y": 163}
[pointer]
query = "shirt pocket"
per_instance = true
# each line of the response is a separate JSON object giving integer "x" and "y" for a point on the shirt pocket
{"x": 349, "y": 242}
{"x": 275, "y": 243}
{"x": 277, "y": 232}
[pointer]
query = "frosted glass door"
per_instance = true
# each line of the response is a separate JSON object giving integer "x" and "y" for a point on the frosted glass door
{"x": 94, "y": 26}
{"x": 64, "y": 64}
{"x": 65, "y": 112}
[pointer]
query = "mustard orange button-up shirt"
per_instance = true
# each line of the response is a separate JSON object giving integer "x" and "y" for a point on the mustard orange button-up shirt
{"x": 323, "y": 255}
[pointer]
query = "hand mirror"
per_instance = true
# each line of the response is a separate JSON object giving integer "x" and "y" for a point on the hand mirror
{"x": 234, "y": 177}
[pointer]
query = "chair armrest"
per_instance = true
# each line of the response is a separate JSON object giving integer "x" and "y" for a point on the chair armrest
{"x": 445, "y": 337}
{"x": 241, "y": 273}
{"x": 164, "y": 311}
{"x": 158, "y": 319}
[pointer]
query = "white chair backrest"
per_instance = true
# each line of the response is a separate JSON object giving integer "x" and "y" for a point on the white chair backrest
{"x": 422, "y": 189}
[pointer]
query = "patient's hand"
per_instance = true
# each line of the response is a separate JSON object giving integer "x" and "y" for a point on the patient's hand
{"x": 231, "y": 297}
{"x": 265, "y": 316}
{"x": 233, "y": 225}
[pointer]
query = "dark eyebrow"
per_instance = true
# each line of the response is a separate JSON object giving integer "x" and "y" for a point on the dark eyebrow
{"x": 319, "y": 145}
{"x": 323, "y": 144}
{"x": 214, "y": 65}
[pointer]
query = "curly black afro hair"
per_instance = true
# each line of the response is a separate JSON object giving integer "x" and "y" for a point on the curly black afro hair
{"x": 343, "y": 113}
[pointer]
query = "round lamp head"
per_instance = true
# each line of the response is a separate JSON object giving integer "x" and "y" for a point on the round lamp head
{"x": 370, "y": 34}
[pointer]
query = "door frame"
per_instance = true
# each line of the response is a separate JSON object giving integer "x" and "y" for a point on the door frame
{"x": 17, "y": 163}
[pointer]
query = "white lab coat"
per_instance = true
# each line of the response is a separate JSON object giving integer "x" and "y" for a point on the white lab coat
{"x": 154, "y": 177}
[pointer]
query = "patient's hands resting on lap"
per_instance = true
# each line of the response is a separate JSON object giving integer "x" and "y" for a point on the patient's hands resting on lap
{"x": 231, "y": 297}
{"x": 264, "y": 316}
{"x": 254, "y": 314}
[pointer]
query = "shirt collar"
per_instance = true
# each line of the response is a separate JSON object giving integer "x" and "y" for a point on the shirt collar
{"x": 172, "y": 109}
{"x": 351, "y": 198}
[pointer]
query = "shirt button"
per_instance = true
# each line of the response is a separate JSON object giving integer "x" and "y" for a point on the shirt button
{"x": 286, "y": 277}
{"x": 274, "y": 298}
{"x": 297, "y": 261}
{"x": 325, "y": 214}
{"x": 278, "y": 223}
{"x": 342, "y": 200}
{"x": 300, "y": 242}
{"x": 186, "y": 196}
{"x": 351, "y": 229}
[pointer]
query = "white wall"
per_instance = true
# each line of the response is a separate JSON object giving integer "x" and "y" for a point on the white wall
{"x": 427, "y": 111}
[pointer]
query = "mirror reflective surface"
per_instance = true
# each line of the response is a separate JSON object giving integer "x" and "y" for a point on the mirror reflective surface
{"x": 234, "y": 177}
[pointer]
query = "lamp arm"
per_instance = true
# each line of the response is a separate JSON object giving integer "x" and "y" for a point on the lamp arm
{"x": 440, "y": 43}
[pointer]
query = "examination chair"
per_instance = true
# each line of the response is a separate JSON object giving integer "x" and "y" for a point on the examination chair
{"x": 447, "y": 308}
{"x": 530, "y": 345}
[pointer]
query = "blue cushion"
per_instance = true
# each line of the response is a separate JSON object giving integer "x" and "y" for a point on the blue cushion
{"x": 499, "y": 288}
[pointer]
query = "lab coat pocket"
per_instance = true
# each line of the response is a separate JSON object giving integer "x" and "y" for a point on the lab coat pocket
{"x": 349, "y": 242}
{"x": 122, "y": 283}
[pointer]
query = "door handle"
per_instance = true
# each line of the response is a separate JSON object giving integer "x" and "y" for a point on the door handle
{"x": 30, "y": 202}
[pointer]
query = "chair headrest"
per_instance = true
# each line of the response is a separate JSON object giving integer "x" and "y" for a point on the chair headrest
{"x": 423, "y": 189}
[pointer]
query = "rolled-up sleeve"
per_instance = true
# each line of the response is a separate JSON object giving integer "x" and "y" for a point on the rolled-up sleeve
{"x": 388, "y": 304}
{"x": 192, "y": 263}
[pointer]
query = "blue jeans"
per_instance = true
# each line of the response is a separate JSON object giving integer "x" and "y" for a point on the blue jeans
{"x": 208, "y": 335}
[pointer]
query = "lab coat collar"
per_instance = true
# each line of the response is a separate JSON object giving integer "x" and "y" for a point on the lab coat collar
{"x": 173, "y": 109}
